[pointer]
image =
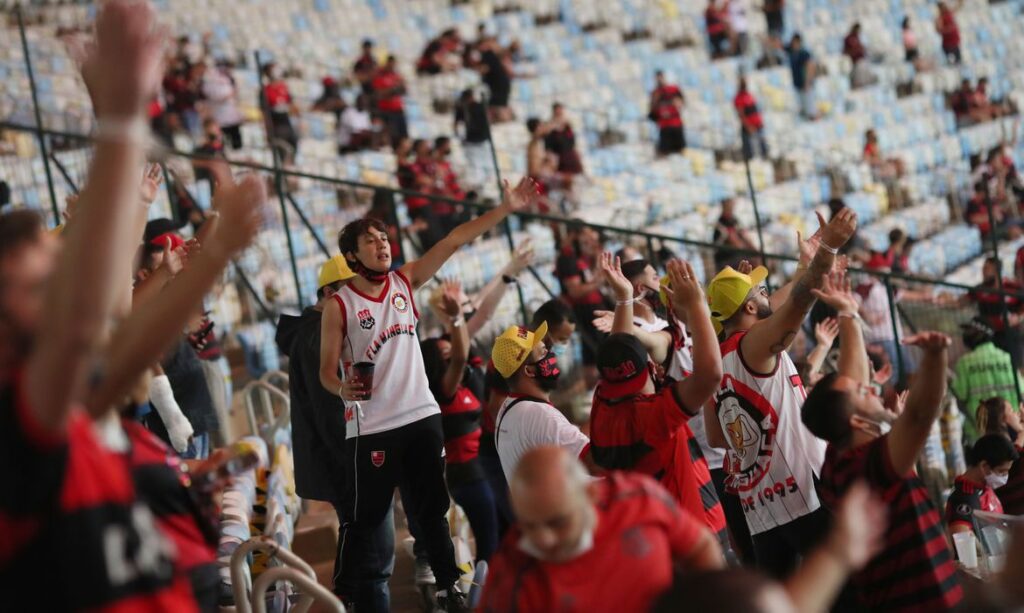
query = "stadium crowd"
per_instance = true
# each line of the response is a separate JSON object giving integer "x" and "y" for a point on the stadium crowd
{"x": 719, "y": 467}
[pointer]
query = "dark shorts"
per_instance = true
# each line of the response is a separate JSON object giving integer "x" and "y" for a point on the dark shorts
{"x": 671, "y": 140}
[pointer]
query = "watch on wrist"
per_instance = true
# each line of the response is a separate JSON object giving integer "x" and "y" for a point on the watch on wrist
{"x": 508, "y": 279}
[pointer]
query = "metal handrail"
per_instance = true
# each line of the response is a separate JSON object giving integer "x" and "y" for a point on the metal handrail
{"x": 311, "y": 590}
{"x": 266, "y": 390}
{"x": 241, "y": 585}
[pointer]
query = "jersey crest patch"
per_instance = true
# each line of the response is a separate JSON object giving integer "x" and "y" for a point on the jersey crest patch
{"x": 400, "y": 302}
{"x": 366, "y": 320}
{"x": 377, "y": 458}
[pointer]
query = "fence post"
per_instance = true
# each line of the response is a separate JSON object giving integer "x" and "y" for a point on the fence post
{"x": 894, "y": 318}
{"x": 279, "y": 187}
{"x": 507, "y": 226}
{"x": 757, "y": 216}
{"x": 43, "y": 149}
{"x": 393, "y": 211}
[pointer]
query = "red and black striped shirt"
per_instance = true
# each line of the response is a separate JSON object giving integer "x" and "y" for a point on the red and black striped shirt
{"x": 749, "y": 114}
{"x": 649, "y": 434}
{"x": 914, "y": 571}
{"x": 69, "y": 514}
{"x": 460, "y": 418}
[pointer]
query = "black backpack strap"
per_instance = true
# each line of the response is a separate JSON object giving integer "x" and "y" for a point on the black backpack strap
{"x": 497, "y": 426}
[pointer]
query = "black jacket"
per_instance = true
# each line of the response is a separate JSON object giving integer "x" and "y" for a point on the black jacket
{"x": 318, "y": 416}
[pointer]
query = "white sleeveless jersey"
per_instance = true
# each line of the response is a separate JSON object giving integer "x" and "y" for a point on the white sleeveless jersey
{"x": 382, "y": 330}
{"x": 680, "y": 366}
{"x": 772, "y": 458}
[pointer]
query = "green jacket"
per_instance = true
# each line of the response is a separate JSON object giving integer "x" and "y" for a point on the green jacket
{"x": 984, "y": 372}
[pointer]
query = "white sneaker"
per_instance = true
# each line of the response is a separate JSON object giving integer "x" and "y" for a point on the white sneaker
{"x": 424, "y": 574}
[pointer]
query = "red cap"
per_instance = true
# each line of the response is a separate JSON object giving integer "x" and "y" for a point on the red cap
{"x": 329, "y": 81}
{"x": 161, "y": 240}
{"x": 878, "y": 261}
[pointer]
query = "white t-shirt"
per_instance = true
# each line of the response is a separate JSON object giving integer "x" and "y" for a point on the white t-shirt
{"x": 772, "y": 457}
{"x": 352, "y": 122}
{"x": 220, "y": 96}
{"x": 531, "y": 424}
{"x": 382, "y": 330}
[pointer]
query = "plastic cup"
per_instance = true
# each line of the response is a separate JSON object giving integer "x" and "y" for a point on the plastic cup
{"x": 362, "y": 373}
{"x": 966, "y": 550}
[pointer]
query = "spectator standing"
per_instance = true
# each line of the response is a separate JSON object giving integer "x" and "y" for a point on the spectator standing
{"x": 716, "y": 22}
{"x": 365, "y": 67}
{"x": 220, "y": 95}
{"x": 211, "y": 161}
{"x": 949, "y": 31}
{"x": 581, "y": 282}
{"x": 666, "y": 110}
{"x": 772, "y": 460}
{"x": 729, "y": 234}
{"x": 910, "y": 50}
{"x": 914, "y": 571}
{"x": 985, "y": 371}
{"x": 751, "y": 123}
{"x": 472, "y": 125}
{"x": 581, "y": 545}
{"x": 988, "y": 468}
{"x": 541, "y": 164}
{"x": 561, "y": 141}
{"x": 803, "y": 69}
{"x": 991, "y": 305}
{"x": 498, "y": 78}
{"x": 853, "y": 48}
{"x": 774, "y": 15}
{"x": 738, "y": 26}
{"x": 388, "y": 90}
{"x": 876, "y": 311}
{"x": 279, "y": 107}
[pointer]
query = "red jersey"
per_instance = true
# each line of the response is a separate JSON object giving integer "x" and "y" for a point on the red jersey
{"x": 949, "y": 31}
{"x": 383, "y": 81}
{"x": 69, "y": 514}
{"x": 639, "y": 533}
{"x": 649, "y": 434}
{"x": 460, "y": 418}
{"x": 746, "y": 106}
{"x": 278, "y": 97}
{"x": 666, "y": 114}
{"x": 914, "y": 571}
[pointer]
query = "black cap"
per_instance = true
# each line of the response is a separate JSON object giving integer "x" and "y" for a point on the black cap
{"x": 622, "y": 363}
{"x": 156, "y": 227}
{"x": 979, "y": 327}
{"x": 634, "y": 268}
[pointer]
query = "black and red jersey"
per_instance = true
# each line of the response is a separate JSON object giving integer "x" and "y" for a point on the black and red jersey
{"x": 990, "y": 302}
{"x": 70, "y": 516}
{"x": 749, "y": 114}
{"x": 968, "y": 497}
{"x": 665, "y": 113}
{"x": 914, "y": 571}
{"x": 649, "y": 434}
{"x": 569, "y": 266}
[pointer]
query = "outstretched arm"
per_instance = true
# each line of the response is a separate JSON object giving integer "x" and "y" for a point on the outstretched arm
{"x": 492, "y": 293}
{"x": 766, "y": 339}
{"x": 460, "y": 338}
{"x": 420, "y": 271}
{"x": 611, "y": 268}
{"x": 689, "y": 304}
{"x": 853, "y": 356}
{"x": 924, "y": 403}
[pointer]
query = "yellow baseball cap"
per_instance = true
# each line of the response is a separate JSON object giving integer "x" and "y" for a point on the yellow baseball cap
{"x": 728, "y": 291}
{"x": 513, "y": 347}
{"x": 334, "y": 270}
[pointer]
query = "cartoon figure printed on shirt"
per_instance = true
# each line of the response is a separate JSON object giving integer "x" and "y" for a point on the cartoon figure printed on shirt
{"x": 750, "y": 423}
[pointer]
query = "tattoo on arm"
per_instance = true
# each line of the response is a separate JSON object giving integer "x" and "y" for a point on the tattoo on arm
{"x": 801, "y": 296}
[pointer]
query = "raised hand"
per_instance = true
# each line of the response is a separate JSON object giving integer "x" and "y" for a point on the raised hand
{"x": 839, "y": 229}
{"x": 524, "y": 195}
{"x": 684, "y": 289}
{"x": 900, "y": 403}
{"x": 124, "y": 67}
{"x": 611, "y": 268}
{"x": 858, "y": 533}
{"x": 451, "y": 289}
{"x": 745, "y": 266}
{"x": 241, "y": 206}
{"x": 151, "y": 180}
{"x": 174, "y": 260}
{"x": 522, "y": 256}
{"x": 835, "y": 292}
{"x": 603, "y": 321}
{"x": 810, "y": 246}
{"x": 826, "y": 331}
{"x": 930, "y": 342}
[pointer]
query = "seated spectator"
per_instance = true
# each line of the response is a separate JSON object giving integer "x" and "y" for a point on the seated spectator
{"x": 884, "y": 169}
{"x": 910, "y": 51}
{"x": 581, "y": 281}
{"x": 356, "y": 129}
{"x": 853, "y": 48}
{"x": 991, "y": 306}
{"x": 897, "y": 255}
{"x": 471, "y": 114}
{"x": 607, "y": 545}
{"x": 330, "y": 100}
{"x": 666, "y": 110}
{"x": 365, "y": 67}
{"x": 981, "y": 212}
{"x": 542, "y": 165}
{"x": 561, "y": 141}
{"x": 998, "y": 416}
{"x": 988, "y": 468}
{"x": 211, "y": 161}
{"x": 716, "y": 22}
{"x": 730, "y": 235}
{"x": 442, "y": 54}
{"x": 751, "y": 123}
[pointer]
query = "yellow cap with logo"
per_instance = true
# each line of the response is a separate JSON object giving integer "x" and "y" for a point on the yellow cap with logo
{"x": 513, "y": 347}
{"x": 729, "y": 290}
{"x": 334, "y": 270}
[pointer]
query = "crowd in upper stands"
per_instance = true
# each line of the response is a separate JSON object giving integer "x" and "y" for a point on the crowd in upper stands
{"x": 745, "y": 447}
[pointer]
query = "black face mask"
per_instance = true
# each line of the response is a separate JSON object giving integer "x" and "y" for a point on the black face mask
{"x": 366, "y": 272}
{"x": 547, "y": 372}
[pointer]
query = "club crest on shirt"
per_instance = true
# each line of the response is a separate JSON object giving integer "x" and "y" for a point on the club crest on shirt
{"x": 377, "y": 458}
{"x": 964, "y": 509}
{"x": 366, "y": 320}
{"x": 750, "y": 425}
{"x": 634, "y": 543}
{"x": 400, "y": 302}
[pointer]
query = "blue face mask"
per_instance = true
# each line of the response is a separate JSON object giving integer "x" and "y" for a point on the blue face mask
{"x": 559, "y": 349}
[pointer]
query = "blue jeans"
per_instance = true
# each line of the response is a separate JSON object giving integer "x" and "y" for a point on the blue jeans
{"x": 477, "y": 500}
{"x": 198, "y": 447}
{"x": 380, "y": 560}
{"x": 499, "y": 489}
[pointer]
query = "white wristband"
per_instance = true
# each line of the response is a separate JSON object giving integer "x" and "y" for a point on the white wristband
{"x": 118, "y": 130}
{"x": 829, "y": 248}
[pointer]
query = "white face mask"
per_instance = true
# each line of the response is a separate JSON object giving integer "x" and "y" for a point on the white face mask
{"x": 585, "y": 544}
{"x": 559, "y": 349}
{"x": 995, "y": 481}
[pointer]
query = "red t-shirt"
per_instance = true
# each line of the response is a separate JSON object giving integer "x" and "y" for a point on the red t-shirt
{"x": 666, "y": 114}
{"x": 69, "y": 516}
{"x": 460, "y": 418}
{"x": 746, "y": 106}
{"x": 640, "y": 533}
{"x": 383, "y": 81}
{"x": 949, "y": 31}
{"x": 278, "y": 97}
{"x": 649, "y": 434}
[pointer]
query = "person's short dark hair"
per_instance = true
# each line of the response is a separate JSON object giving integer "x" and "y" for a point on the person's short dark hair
{"x": 157, "y": 227}
{"x": 441, "y": 141}
{"x": 905, "y": 23}
{"x": 659, "y": 73}
{"x": 977, "y": 332}
{"x": 554, "y": 312}
{"x": 367, "y": 43}
{"x": 994, "y": 261}
{"x": 827, "y": 411}
{"x": 556, "y": 105}
{"x": 17, "y": 228}
{"x": 348, "y": 238}
{"x": 467, "y": 94}
{"x": 320, "y": 291}
{"x": 392, "y": 59}
{"x": 896, "y": 235}
{"x": 532, "y": 124}
{"x": 796, "y": 38}
{"x": 731, "y": 589}
{"x": 995, "y": 449}
{"x": 634, "y": 268}
{"x": 980, "y": 187}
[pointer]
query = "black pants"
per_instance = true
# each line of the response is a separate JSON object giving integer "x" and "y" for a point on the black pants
{"x": 671, "y": 140}
{"x": 779, "y": 550}
{"x": 395, "y": 124}
{"x": 233, "y": 134}
{"x": 379, "y": 463}
{"x": 734, "y": 519}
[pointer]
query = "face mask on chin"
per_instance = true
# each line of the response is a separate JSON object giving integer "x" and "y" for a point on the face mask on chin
{"x": 366, "y": 272}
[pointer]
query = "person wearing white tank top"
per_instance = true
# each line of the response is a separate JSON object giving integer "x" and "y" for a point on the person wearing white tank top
{"x": 772, "y": 459}
{"x": 370, "y": 357}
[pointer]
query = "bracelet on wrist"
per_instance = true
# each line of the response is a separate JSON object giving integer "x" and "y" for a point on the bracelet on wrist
{"x": 509, "y": 279}
{"x": 133, "y": 130}
{"x": 625, "y": 302}
{"x": 457, "y": 322}
{"x": 829, "y": 248}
